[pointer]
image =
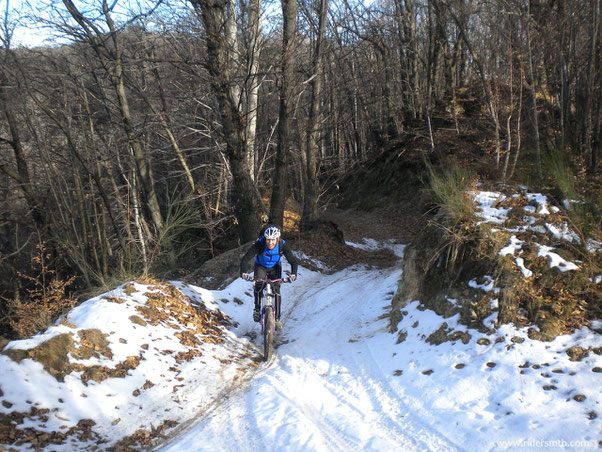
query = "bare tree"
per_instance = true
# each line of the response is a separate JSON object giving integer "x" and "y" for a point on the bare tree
{"x": 312, "y": 187}
{"x": 21, "y": 174}
{"x": 109, "y": 51}
{"x": 217, "y": 16}
{"x": 279, "y": 181}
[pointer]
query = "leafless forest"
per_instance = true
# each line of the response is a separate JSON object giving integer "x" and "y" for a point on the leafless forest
{"x": 153, "y": 135}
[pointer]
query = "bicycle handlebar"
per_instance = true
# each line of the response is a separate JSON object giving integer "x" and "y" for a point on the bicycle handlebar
{"x": 284, "y": 280}
{"x": 250, "y": 278}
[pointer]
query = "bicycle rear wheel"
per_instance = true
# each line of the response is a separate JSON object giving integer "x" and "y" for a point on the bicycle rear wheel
{"x": 268, "y": 332}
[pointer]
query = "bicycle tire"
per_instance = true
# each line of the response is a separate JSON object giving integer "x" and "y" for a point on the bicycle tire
{"x": 268, "y": 333}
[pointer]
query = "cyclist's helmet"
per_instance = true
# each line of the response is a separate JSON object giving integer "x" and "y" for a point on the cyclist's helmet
{"x": 272, "y": 233}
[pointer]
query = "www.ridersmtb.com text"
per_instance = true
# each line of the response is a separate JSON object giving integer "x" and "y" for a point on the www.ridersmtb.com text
{"x": 548, "y": 443}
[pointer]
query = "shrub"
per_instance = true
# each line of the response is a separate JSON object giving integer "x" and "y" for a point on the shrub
{"x": 44, "y": 298}
{"x": 583, "y": 213}
{"x": 449, "y": 190}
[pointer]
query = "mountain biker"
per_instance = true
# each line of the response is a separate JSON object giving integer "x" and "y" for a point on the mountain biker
{"x": 268, "y": 251}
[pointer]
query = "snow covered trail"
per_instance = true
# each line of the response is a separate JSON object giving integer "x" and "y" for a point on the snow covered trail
{"x": 324, "y": 390}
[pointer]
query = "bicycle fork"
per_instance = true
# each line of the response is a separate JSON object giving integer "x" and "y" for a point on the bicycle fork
{"x": 267, "y": 307}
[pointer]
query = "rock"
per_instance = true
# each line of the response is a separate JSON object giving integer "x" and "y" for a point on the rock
{"x": 460, "y": 366}
{"x": 549, "y": 387}
{"x": 427, "y": 372}
{"x": 579, "y": 398}
{"x": 402, "y": 336}
{"x": 577, "y": 353}
{"x": 444, "y": 334}
{"x": 137, "y": 320}
{"x": 597, "y": 369}
{"x": 329, "y": 229}
{"x": 491, "y": 365}
{"x": 483, "y": 341}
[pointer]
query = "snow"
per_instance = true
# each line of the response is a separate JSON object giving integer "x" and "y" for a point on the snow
{"x": 374, "y": 245}
{"x": 515, "y": 245}
{"x": 488, "y": 213}
{"x": 520, "y": 263}
{"x": 487, "y": 286}
{"x": 340, "y": 379}
{"x": 485, "y": 201}
{"x": 555, "y": 259}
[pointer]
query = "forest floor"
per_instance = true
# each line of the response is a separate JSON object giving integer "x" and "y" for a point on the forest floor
{"x": 390, "y": 222}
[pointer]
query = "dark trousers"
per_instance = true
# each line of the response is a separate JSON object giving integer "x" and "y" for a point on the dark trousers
{"x": 268, "y": 273}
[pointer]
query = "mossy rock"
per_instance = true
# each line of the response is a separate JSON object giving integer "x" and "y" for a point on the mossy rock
{"x": 52, "y": 354}
{"x": 439, "y": 336}
{"x": 137, "y": 320}
{"x": 445, "y": 334}
{"x": 549, "y": 329}
{"x": 577, "y": 353}
{"x": 220, "y": 271}
{"x": 3, "y": 342}
{"x": 401, "y": 337}
{"x": 92, "y": 343}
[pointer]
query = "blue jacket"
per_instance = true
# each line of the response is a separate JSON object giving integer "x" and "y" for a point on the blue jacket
{"x": 268, "y": 258}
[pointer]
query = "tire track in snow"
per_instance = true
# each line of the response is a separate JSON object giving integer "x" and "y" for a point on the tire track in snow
{"x": 382, "y": 390}
{"x": 319, "y": 393}
{"x": 331, "y": 434}
{"x": 354, "y": 389}
{"x": 225, "y": 403}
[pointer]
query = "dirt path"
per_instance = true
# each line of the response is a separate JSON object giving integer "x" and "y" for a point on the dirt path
{"x": 399, "y": 223}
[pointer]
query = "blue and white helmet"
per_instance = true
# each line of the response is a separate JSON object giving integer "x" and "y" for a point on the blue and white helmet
{"x": 272, "y": 233}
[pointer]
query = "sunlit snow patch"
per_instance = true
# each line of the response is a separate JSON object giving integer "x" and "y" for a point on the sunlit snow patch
{"x": 485, "y": 201}
{"x": 555, "y": 260}
{"x": 515, "y": 245}
{"x": 374, "y": 245}
{"x": 487, "y": 286}
{"x": 316, "y": 263}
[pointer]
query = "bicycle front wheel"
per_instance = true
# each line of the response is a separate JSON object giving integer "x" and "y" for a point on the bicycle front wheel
{"x": 268, "y": 332}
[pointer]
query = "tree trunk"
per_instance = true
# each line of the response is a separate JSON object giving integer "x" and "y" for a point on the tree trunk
{"x": 289, "y": 13}
{"x": 109, "y": 52}
{"x": 214, "y": 15}
{"x": 253, "y": 82}
{"x": 589, "y": 88}
{"x": 533, "y": 98}
{"x": 21, "y": 176}
{"x": 312, "y": 187}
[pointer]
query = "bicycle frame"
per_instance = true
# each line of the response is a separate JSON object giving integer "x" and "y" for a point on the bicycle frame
{"x": 268, "y": 315}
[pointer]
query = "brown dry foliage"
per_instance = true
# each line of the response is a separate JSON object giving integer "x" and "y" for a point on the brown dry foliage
{"x": 54, "y": 353}
{"x": 10, "y": 433}
{"x": 144, "y": 438}
{"x": 45, "y": 298}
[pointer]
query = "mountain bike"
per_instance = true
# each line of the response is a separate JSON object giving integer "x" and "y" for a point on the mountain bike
{"x": 268, "y": 314}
